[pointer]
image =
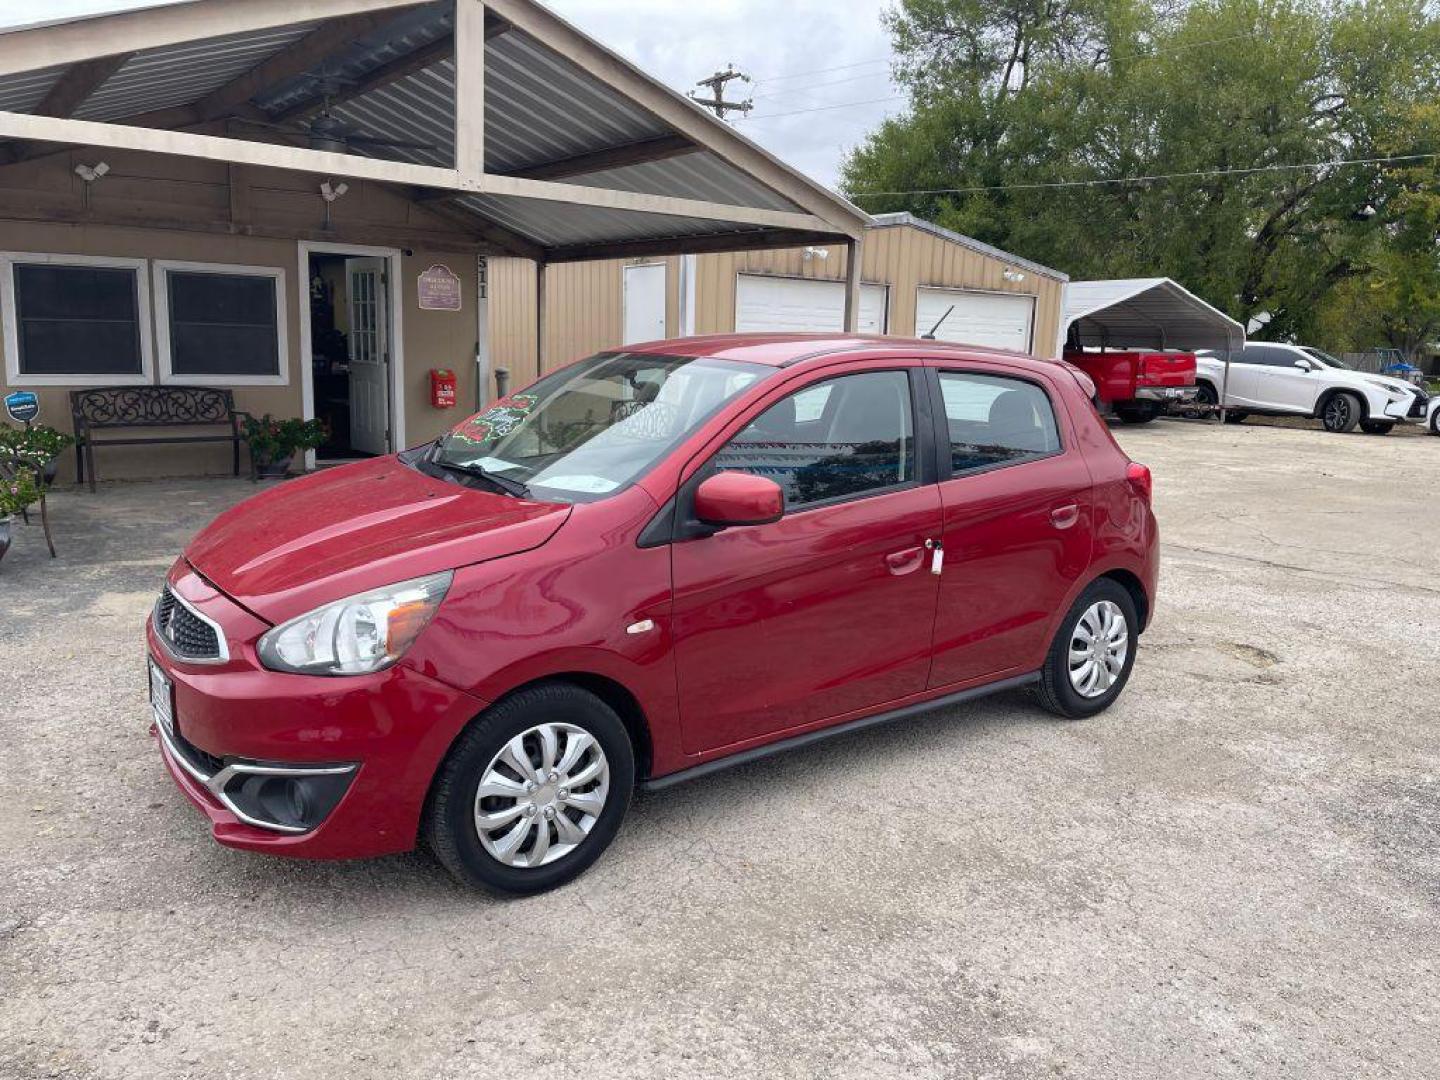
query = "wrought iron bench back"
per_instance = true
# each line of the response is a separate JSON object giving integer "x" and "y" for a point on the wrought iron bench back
{"x": 151, "y": 406}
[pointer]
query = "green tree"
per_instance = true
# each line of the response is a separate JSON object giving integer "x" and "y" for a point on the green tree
{"x": 1008, "y": 101}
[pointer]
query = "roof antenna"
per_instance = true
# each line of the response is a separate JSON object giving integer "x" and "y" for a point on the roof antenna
{"x": 936, "y": 328}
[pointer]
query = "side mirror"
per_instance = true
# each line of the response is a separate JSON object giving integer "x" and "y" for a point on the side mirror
{"x": 737, "y": 498}
{"x": 1304, "y": 365}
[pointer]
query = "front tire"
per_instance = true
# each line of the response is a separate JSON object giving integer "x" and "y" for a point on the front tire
{"x": 1090, "y": 659}
{"x": 532, "y": 793}
{"x": 1341, "y": 413}
{"x": 1435, "y": 422}
{"x": 1376, "y": 427}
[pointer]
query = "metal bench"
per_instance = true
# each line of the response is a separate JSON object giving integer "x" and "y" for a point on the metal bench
{"x": 111, "y": 407}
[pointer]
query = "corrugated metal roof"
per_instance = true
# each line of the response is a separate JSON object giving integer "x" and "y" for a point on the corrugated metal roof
{"x": 1145, "y": 313}
{"x": 554, "y": 224}
{"x": 540, "y": 108}
{"x": 23, "y": 92}
{"x": 185, "y": 73}
{"x": 904, "y": 217}
{"x": 695, "y": 176}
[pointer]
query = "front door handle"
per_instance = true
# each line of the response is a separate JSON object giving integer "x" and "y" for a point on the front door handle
{"x": 1063, "y": 517}
{"x": 905, "y": 562}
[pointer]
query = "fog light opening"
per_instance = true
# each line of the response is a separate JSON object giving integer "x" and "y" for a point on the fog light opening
{"x": 289, "y": 802}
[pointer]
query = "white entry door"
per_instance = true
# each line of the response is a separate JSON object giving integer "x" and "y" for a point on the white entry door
{"x": 994, "y": 320}
{"x": 803, "y": 305}
{"x": 369, "y": 356}
{"x": 644, "y": 303}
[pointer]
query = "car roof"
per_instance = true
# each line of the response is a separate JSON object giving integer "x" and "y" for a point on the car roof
{"x": 785, "y": 350}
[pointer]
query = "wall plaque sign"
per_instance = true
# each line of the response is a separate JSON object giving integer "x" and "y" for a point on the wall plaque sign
{"x": 439, "y": 289}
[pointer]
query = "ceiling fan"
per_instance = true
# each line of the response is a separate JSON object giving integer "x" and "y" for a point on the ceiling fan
{"x": 326, "y": 131}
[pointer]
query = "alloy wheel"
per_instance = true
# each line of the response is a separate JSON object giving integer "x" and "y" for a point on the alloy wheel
{"x": 1099, "y": 644}
{"x": 541, "y": 795}
{"x": 1337, "y": 413}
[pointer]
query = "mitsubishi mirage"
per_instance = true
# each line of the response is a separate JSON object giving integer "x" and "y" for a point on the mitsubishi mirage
{"x": 646, "y": 566}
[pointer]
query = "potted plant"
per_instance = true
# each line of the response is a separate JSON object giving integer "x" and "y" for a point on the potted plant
{"x": 18, "y": 490}
{"x": 37, "y": 447}
{"x": 274, "y": 443}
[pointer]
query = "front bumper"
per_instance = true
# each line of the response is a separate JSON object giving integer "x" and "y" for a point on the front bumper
{"x": 369, "y": 744}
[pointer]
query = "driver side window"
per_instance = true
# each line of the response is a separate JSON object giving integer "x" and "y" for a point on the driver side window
{"x": 834, "y": 440}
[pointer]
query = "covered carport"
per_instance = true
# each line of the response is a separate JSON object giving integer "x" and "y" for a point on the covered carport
{"x": 485, "y": 127}
{"x": 1145, "y": 313}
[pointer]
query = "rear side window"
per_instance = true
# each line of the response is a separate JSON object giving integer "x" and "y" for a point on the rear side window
{"x": 994, "y": 421}
{"x": 1266, "y": 356}
{"x": 839, "y": 439}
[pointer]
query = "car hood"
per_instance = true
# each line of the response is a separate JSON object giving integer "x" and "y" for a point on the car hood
{"x": 348, "y": 530}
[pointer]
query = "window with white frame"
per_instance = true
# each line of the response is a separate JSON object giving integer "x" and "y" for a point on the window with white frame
{"x": 74, "y": 319}
{"x": 221, "y": 324}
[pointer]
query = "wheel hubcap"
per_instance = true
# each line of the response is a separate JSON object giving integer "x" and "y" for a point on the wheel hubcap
{"x": 541, "y": 795}
{"x": 1339, "y": 410}
{"x": 1098, "y": 647}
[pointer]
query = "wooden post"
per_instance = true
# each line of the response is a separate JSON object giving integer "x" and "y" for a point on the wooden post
{"x": 1224, "y": 384}
{"x": 470, "y": 88}
{"x": 539, "y": 317}
{"x": 853, "y": 253}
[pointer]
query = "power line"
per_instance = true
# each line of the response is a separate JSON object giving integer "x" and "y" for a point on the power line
{"x": 821, "y": 71}
{"x": 1147, "y": 179}
{"x": 818, "y": 86}
{"x": 899, "y": 97}
{"x": 825, "y": 108}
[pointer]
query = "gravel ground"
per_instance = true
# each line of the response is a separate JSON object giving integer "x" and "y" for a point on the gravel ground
{"x": 1233, "y": 872}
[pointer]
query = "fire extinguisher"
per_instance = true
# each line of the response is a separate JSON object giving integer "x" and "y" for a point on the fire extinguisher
{"x": 442, "y": 388}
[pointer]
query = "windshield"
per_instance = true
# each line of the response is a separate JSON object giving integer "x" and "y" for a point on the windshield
{"x": 590, "y": 429}
{"x": 1326, "y": 359}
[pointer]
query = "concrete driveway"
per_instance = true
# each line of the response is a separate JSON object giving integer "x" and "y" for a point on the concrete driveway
{"x": 1234, "y": 872}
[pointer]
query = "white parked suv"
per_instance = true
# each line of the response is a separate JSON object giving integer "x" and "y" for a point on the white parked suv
{"x": 1294, "y": 380}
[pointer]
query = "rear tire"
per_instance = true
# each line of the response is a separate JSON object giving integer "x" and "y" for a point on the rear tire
{"x": 1341, "y": 412}
{"x": 1435, "y": 422}
{"x": 1376, "y": 427}
{"x": 578, "y": 824}
{"x": 1088, "y": 636}
{"x": 1138, "y": 414}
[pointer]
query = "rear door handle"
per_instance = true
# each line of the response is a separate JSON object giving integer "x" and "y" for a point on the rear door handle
{"x": 1062, "y": 517}
{"x": 905, "y": 562}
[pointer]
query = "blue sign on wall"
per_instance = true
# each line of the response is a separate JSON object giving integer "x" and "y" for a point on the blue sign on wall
{"x": 23, "y": 406}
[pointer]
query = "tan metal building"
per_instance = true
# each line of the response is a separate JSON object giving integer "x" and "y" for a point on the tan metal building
{"x": 912, "y": 273}
{"x": 290, "y": 199}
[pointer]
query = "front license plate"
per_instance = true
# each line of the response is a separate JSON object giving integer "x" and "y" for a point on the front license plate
{"x": 162, "y": 700}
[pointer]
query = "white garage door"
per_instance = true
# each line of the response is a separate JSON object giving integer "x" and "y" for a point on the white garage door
{"x": 996, "y": 320}
{"x": 799, "y": 304}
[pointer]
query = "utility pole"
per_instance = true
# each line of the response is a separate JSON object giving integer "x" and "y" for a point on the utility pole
{"x": 716, "y": 102}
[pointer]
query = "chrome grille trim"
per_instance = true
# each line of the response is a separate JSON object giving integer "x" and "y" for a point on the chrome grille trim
{"x": 163, "y": 617}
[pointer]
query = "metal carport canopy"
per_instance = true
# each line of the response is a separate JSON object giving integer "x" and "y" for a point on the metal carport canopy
{"x": 1144, "y": 313}
{"x": 523, "y": 131}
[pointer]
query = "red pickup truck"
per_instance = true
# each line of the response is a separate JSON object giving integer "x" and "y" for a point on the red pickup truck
{"x": 1138, "y": 386}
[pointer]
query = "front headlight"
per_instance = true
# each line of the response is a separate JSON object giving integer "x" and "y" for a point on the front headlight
{"x": 357, "y": 635}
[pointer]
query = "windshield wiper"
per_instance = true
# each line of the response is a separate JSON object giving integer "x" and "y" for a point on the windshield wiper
{"x": 503, "y": 483}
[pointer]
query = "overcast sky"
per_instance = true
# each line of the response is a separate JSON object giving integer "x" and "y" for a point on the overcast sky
{"x": 813, "y": 61}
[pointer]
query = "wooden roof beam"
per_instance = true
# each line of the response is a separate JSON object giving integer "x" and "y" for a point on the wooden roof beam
{"x": 309, "y": 52}
{"x": 397, "y": 69}
{"x": 613, "y": 157}
{"x": 71, "y": 90}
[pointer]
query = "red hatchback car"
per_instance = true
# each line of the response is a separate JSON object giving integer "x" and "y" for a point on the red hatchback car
{"x": 648, "y": 565}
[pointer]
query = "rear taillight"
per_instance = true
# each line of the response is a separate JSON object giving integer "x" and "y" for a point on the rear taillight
{"x": 1139, "y": 477}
